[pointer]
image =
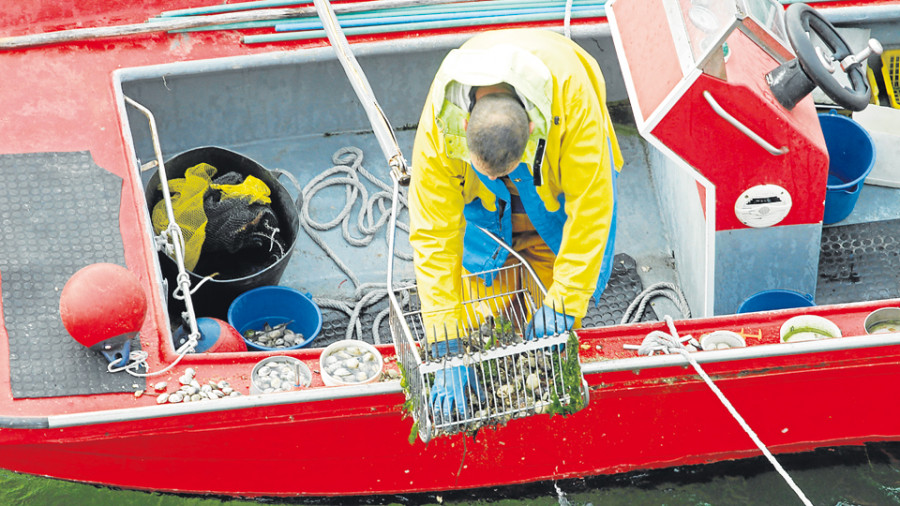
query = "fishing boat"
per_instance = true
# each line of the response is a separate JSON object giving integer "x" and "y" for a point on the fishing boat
{"x": 708, "y": 213}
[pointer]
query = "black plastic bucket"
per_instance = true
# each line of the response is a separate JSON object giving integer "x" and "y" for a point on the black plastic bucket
{"x": 215, "y": 295}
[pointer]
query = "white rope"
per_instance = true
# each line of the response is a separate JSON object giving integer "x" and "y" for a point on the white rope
{"x": 348, "y": 165}
{"x": 366, "y": 295}
{"x": 177, "y": 292}
{"x": 658, "y": 341}
{"x": 636, "y": 309}
{"x": 138, "y": 359}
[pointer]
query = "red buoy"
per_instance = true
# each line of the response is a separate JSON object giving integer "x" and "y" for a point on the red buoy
{"x": 103, "y": 307}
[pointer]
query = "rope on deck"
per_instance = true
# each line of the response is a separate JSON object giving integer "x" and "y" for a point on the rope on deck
{"x": 669, "y": 343}
{"x": 636, "y": 309}
{"x": 348, "y": 165}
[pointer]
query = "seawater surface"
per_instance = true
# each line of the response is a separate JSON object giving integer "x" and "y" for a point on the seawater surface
{"x": 862, "y": 476}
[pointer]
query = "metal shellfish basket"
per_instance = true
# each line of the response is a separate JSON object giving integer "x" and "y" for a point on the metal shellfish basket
{"x": 508, "y": 376}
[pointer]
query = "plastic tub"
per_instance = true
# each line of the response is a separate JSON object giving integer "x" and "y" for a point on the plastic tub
{"x": 722, "y": 339}
{"x": 279, "y": 374}
{"x": 851, "y": 156}
{"x": 883, "y": 321}
{"x": 275, "y": 305}
{"x": 768, "y": 300}
{"x": 359, "y": 359}
{"x": 808, "y": 327}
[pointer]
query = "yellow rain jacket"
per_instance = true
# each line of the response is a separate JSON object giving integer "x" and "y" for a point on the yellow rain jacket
{"x": 572, "y": 145}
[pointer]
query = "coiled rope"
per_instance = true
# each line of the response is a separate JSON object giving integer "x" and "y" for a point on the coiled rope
{"x": 348, "y": 166}
{"x": 659, "y": 341}
{"x": 636, "y": 309}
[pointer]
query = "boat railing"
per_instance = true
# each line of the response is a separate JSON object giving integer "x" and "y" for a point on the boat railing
{"x": 758, "y": 351}
{"x": 171, "y": 239}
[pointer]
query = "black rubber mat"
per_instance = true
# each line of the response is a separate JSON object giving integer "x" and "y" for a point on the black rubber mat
{"x": 59, "y": 212}
{"x": 859, "y": 262}
{"x": 624, "y": 285}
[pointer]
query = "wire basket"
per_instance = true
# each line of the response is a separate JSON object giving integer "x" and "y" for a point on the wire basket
{"x": 508, "y": 376}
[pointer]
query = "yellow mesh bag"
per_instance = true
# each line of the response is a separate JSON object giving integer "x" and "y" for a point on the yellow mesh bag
{"x": 252, "y": 190}
{"x": 188, "y": 195}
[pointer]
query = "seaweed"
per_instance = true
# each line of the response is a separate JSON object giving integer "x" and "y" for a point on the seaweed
{"x": 571, "y": 382}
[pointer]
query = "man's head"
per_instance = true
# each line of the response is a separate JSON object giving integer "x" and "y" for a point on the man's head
{"x": 497, "y": 131}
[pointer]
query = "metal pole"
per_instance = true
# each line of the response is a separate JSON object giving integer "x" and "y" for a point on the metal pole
{"x": 380, "y": 125}
{"x": 177, "y": 239}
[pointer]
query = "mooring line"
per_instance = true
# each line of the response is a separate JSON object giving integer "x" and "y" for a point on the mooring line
{"x": 667, "y": 343}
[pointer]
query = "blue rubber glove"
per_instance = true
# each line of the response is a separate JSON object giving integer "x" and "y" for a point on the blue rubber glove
{"x": 547, "y": 322}
{"x": 450, "y": 384}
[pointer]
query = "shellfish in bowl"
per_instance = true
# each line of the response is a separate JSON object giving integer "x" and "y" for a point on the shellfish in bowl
{"x": 279, "y": 374}
{"x": 350, "y": 362}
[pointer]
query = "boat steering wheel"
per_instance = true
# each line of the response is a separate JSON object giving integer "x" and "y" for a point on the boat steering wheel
{"x": 800, "y": 19}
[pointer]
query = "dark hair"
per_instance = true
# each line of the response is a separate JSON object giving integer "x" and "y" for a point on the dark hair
{"x": 497, "y": 131}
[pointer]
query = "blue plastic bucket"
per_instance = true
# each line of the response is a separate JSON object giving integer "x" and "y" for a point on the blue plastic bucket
{"x": 252, "y": 310}
{"x": 768, "y": 300}
{"x": 851, "y": 156}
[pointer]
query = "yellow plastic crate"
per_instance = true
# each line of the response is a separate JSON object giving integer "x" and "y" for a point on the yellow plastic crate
{"x": 873, "y": 85}
{"x": 890, "y": 69}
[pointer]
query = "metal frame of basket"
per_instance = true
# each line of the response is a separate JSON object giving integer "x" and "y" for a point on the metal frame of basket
{"x": 508, "y": 375}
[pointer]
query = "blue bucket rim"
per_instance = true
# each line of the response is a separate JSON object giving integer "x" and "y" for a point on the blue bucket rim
{"x": 278, "y": 288}
{"x": 776, "y": 291}
{"x": 833, "y": 114}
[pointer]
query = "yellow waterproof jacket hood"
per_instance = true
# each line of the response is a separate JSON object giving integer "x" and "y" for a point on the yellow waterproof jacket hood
{"x": 580, "y": 148}
{"x": 466, "y": 68}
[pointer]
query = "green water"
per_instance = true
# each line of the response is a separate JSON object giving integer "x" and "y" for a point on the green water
{"x": 850, "y": 476}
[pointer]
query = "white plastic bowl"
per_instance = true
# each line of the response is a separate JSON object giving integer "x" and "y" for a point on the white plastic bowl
{"x": 808, "y": 327}
{"x": 277, "y": 367}
{"x": 360, "y": 360}
{"x": 722, "y": 339}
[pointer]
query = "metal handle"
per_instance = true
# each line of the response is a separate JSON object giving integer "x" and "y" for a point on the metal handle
{"x": 873, "y": 46}
{"x": 174, "y": 234}
{"x": 520, "y": 258}
{"x": 743, "y": 128}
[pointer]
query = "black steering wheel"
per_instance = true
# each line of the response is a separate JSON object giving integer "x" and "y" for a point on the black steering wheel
{"x": 801, "y": 19}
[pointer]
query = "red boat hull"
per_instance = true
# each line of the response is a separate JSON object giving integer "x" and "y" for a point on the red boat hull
{"x": 652, "y": 418}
